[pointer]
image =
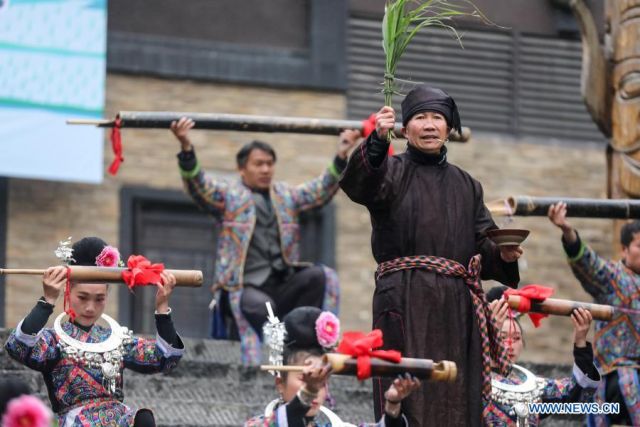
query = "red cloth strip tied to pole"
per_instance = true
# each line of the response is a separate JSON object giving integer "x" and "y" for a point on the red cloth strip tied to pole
{"x": 116, "y": 145}
{"x": 140, "y": 272}
{"x": 362, "y": 346}
{"x": 531, "y": 293}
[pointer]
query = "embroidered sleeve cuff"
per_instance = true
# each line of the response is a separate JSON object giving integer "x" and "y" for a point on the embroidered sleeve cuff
{"x": 334, "y": 171}
{"x": 189, "y": 165}
{"x": 338, "y": 165}
{"x": 574, "y": 250}
{"x": 583, "y": 380}
{"x": 26, "y": 339}
{"x": 167, "y": 349}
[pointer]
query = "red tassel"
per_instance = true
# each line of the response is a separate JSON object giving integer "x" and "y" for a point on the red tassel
{"x": 116, "y": 144}
{"x": 67, "y": 297}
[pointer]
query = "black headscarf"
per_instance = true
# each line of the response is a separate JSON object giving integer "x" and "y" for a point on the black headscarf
{"x": 425, "y": 98}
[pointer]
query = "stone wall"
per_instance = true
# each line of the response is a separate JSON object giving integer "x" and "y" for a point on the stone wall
{"x": 41, "y": 213}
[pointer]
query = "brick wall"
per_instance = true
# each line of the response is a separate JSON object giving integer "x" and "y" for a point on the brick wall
{"x": 41, "y": 213}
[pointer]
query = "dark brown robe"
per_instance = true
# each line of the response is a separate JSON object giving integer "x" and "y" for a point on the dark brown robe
{"x": 422, "y": 205}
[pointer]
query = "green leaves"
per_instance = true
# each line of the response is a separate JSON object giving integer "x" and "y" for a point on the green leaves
{"x": 403, "y": 19}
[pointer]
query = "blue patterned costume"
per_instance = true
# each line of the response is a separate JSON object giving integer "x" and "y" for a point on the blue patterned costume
{"x": 617, "y": 343}
{"x": 77, "y": 392}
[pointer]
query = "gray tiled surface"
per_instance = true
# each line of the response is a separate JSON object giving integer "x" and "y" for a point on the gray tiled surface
{"x": 210, "y": 388}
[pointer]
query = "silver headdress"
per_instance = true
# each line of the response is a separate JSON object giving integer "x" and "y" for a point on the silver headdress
{"x": 64, "y": 251}
{"x": 274, "y": 333}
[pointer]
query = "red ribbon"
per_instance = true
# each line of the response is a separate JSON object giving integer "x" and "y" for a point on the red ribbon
{"x": 368, "y": 126}
{"x": 67, "y": 297}
{"x": 141, "y": 272}
{"x": 362, "y": 346}
{"x": 531, "y": 293}
{"x": 116, "y": 145}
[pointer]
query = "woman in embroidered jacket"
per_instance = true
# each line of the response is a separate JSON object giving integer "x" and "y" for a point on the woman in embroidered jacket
{"x": 84, "y": 382}
{"x": 580, "y": 387}
{"x": 429, "y": 223}
{"x": 617, "y": 344}
{"x": 309, "y": 332}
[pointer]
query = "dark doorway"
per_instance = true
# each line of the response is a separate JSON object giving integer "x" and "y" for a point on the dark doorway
{"x": 165, "y": 226}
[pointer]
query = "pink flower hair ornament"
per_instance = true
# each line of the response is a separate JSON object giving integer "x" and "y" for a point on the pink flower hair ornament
{"x": 27, "y": 411}
{"x": 327, "y": 329}
{"x": 109, "y": 257}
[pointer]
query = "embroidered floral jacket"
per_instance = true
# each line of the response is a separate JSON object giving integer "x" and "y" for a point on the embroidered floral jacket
{"x": 617, "y": 343}
{"x": 232, "y": 203}
{"x": 77, "y": 393}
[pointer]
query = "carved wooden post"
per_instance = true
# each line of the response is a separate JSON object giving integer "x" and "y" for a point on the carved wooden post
{"x": 611, "y": 90}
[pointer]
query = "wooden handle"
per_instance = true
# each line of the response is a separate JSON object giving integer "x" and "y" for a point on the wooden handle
{"x": 184, "y": 278}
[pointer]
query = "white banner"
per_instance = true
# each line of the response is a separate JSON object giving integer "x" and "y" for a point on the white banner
{"x": 52, "y": 67}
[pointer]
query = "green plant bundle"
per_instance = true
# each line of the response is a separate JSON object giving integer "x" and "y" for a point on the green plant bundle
{"x": 402, "y": 22}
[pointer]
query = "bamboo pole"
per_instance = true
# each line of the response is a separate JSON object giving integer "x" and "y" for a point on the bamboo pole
{"x": 186, "y": 278}
{"x": 563, "y": 307}
{"x": 576, "y": 207}
{"x": 343, "y": 364}
{"x": 241, "y": 122}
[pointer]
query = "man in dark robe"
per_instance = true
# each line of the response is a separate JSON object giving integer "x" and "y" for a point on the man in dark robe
{"x": 429, "y": 222}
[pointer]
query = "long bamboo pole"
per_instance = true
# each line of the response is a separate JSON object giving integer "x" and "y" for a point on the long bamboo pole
{"x": 343, "y": 364}
{"x": 187, "y": 278}
{"x": 576, "y": 207}
{"x": 563, "y": 307}
{"x": 241, "y": 122}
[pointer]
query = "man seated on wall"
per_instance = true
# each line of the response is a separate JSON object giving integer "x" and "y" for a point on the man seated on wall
{"x": 257, "y": 258}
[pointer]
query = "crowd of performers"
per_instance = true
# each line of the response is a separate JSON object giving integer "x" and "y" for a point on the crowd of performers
{"x": 429, "y": 238}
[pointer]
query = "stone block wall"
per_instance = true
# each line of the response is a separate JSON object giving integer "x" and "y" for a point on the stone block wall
{"x": 41, "y": 213}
